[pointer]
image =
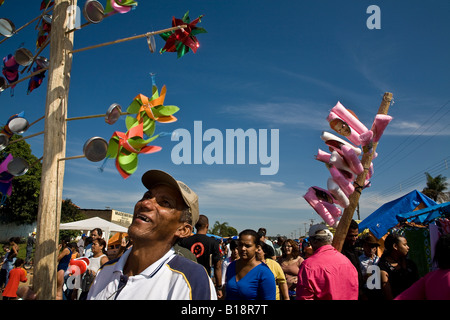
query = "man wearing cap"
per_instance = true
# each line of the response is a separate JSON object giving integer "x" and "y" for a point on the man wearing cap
{"x": 150, "y": 269}
{"x": 327, "y": 274}
{"x": 206, "y": 250}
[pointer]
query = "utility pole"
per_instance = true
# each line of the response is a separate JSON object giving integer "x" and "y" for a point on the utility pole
{"x": 49, "y": 214}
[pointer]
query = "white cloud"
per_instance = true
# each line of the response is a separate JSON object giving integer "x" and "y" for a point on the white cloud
{"x": 249, "y": 195}
{"x": 305, "y": 113}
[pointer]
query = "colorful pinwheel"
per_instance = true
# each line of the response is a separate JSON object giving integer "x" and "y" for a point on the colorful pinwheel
{"x": 120, "y": 6}
{"x": 10, "y": 69}
{"x": 183, "y": 39}
{"x": 150, "y": 110}
{"x": 36, "y": 80}
{"x": 46, "y": 4}
{"x": 126, "y": 147}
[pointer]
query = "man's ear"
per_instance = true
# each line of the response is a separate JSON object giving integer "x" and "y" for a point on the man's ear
{"x": 184, "y": 230}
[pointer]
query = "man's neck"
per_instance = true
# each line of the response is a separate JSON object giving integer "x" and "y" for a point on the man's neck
{"x": 141, "y": 257}
{"x": 202, "y": 231}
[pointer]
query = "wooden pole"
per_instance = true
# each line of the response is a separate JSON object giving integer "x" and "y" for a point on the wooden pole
{"x": 347, "y": 216}
{"x": 49, "y": 213}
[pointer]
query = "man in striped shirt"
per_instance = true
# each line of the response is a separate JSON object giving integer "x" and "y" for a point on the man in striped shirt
{"x": 150, "y": 268}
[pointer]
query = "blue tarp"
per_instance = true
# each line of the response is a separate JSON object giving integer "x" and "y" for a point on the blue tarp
{"x": 385, "y": 217}
{"x": 426, "y": 215}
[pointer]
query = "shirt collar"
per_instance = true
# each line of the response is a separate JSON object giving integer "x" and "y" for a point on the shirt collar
{"x": 323, "y": 248}
{"x": 150, "y": 270}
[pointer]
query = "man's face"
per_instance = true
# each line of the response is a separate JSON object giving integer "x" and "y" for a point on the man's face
{"x": 94, "y": 235}
{"x": 352, "y": 236}
{"x": 370, "y": 250}
{"x": 157, "y": 215}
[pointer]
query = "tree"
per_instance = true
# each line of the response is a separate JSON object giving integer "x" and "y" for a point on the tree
{"x": 70, "y": 212}
{"x": 223, "y": 230}
{"x": 435, "y": 188}
{"x": 22, "y": 206}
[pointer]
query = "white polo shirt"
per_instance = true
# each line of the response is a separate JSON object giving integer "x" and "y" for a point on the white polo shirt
{"x": 170, "y": 278}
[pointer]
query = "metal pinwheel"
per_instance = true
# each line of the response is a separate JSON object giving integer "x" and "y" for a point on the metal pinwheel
{"x": 184, "y": 39}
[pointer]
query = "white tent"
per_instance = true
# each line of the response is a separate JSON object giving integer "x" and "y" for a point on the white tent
{"x": 93, "y": 223}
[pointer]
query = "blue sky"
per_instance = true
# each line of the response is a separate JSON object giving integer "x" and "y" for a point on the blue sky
{"x": 262, "y": 65}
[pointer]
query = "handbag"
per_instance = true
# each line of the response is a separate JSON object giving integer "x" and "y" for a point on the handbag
{"x": 87, "y": 280}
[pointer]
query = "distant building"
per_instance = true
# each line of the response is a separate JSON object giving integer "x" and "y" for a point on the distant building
{"x": 114, "y": 216}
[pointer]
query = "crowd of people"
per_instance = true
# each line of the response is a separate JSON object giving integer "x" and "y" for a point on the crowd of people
{"x": 164, "y": 259}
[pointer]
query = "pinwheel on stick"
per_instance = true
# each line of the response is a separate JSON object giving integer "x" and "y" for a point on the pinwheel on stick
{"x": 184, "y": 39}
{"x": 150, "y": 110}
{"x": 125, "y": 147}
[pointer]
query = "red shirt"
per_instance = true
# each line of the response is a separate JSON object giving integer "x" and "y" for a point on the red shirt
{"x": 327, "y": 275}
{"x": 16, "y": 276}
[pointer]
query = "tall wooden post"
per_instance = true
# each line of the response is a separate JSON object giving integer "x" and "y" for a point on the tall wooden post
{"x": 44, "y": 280}
{"x": 347, "y": 216}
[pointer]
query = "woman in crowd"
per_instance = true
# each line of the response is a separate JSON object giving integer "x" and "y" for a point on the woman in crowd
{"x": 247, "y": 278}
{"x": 263, "y": 255}
{"x": 65, "y": 254}
{"x": 234, "y": 255}
{"x": 9, "y": 260}
{"x": 435, "y": 285}
{"x": 290, "y": 262}
{"x": 98, "y": 259}
{"x": 398, "y": 272}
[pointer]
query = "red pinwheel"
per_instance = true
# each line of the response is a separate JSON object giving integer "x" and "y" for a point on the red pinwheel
{"x": 183, "y": 39}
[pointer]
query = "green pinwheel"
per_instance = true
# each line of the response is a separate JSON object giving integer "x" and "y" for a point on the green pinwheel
{"x": 148, "y": 111}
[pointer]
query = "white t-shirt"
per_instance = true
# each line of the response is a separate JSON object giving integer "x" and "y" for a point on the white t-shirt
{"x": 170, "y": 278}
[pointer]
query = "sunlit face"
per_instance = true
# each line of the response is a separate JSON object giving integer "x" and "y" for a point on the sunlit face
{"x": 259, "y": 253}
{"x": 287, "y": 248}
{"x": 157, "y": 215}
{"x": 96, "y": 247}
{"x": 247, "y": 247}
{"x": 402, "y": 247}
{"x": 94, "y": 235}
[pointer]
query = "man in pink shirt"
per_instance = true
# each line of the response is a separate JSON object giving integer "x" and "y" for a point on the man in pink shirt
{"x": 327, "y": 274}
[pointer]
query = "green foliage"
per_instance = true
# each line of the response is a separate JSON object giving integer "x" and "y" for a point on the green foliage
{"x": 435, "y": 187}
{"x": 223, "y": 230}
{"x": 69, "y": 213}
{"x": 22, "y": 206}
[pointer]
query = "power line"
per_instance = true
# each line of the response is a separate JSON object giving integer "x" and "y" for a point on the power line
{"x": 414, "y": 137}
{"x": 435, "y": 169}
